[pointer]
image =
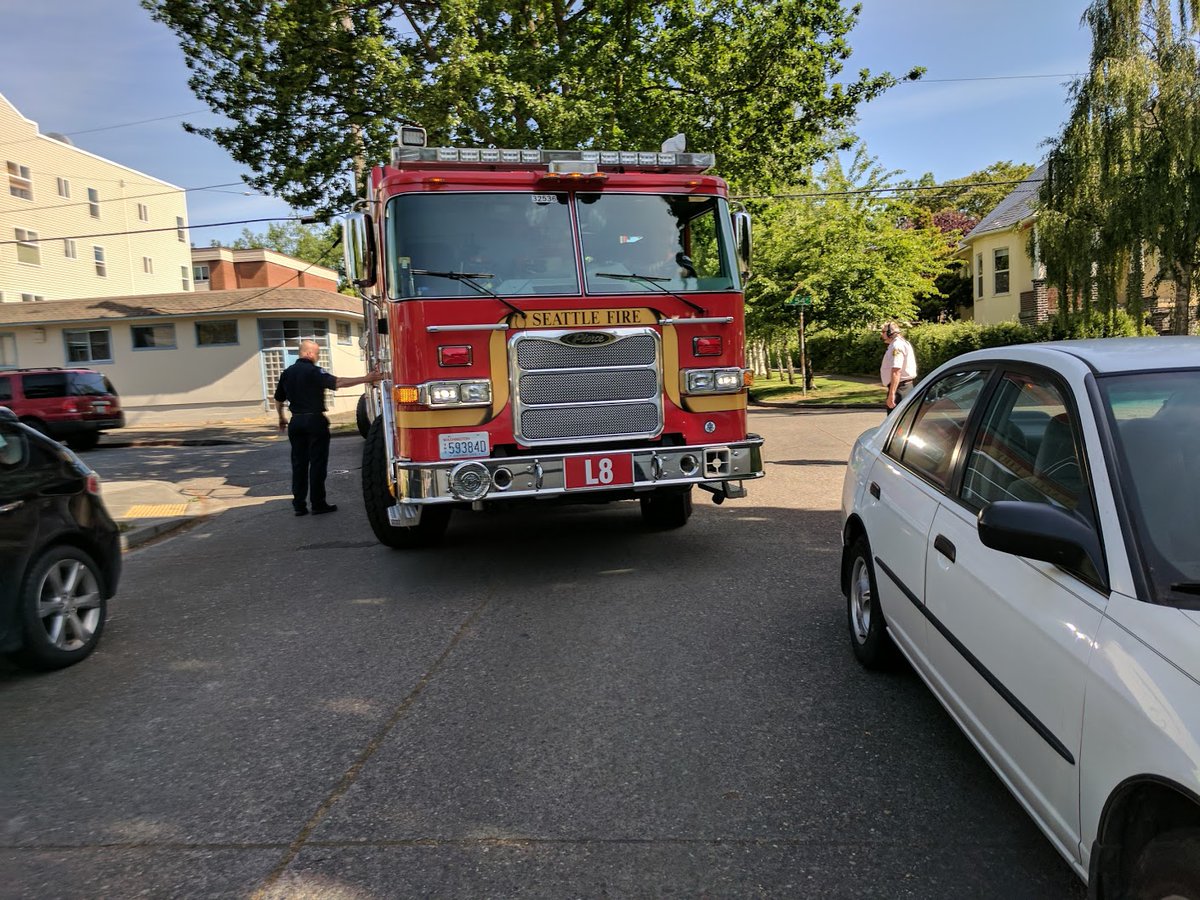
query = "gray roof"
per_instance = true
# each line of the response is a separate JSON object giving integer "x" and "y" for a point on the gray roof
{"x": 1017, "y": 206}
{"x": 244, "y": 301}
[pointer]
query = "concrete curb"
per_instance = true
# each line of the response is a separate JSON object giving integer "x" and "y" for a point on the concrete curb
{"x": 122, "y": 443}
{"x": 143, "y": 534}
{"x": 804, "y": 404}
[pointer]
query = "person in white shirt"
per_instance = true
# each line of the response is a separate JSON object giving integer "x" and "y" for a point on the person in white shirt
{"x": 899, "y": 367}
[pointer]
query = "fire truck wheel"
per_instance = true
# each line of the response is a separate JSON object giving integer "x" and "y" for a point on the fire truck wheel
{"x": 377, "y": 498}
{"x": 360, "y": 416}
{"x": 667, "y": 509}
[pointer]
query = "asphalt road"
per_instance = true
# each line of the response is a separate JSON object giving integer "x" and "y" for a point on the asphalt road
{"x": 556, "y": 703}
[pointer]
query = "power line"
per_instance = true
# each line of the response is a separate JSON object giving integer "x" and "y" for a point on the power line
{"x": 208, "y": 187}
{"x": 82, "y": 237}
{"x": 882, "y": 190}
{"x": 991, "y": 78}
{"x": 104, "y": 127}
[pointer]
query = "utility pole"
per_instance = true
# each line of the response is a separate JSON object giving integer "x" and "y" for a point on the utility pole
{"x": 799, "y": 303}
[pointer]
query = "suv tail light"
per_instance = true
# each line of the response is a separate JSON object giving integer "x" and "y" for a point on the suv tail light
{"x": 70, "y": 405}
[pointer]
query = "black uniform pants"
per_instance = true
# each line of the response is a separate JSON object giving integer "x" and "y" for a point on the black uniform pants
{"x": 309, "y": 437}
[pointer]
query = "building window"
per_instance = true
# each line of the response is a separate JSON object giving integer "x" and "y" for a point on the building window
{"x": 31, "y": 298}
{"x": 93, "y": 345}
{"x": 8, "y": 359}
{"x": 143, "y": 212}
{"x": 214, "y": 334}
{"x": 94, "y": 203}
{"x": 343, "y": 333}
{"x": 27, "y": 247}
{"x": 19, "y": 182}
{"x": 147, "y": 265}
{"x": 1000, "y": 261}
{"x": 179, "y": 228}
{"x": 278, "y": 336}
{"x": 184, "y": 274}
{"x": 978, "y": 276}
{"x": 153, "y": 337}
{"x": 64, "y": 188}
{"x": 69, "y": 248}
{"x": 101, "y": 268}
{"x": 200, "y": 273}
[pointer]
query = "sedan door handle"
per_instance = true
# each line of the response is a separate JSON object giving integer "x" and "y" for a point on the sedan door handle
{"x": 874, "y": 490}
{"x": 9, "y": 507}
{"x": 942, "y": 545}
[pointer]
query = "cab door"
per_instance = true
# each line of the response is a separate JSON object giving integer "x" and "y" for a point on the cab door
{"x": 1010, "y": 638}
{"x": 904, "y": 489}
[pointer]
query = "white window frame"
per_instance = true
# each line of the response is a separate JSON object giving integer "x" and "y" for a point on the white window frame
{"x": 27, "y": 241}
{"x": 147, "y": 265}
{"x": 143, "y": 212}
{"x": 69, "y": 248}
{"x": 339, "y": 325}
{"x": 20, "y": 182}
{"x": 133, "y": 329}
{"x": 32, "y": 298}
{"x": 101, "y": 265}
{"x": 93, "y": 203}
{"x": 997, "y": 271}
{"x": 179, "y": 229}
{"x": 185, "y": 273}
{"x": 978, "y": 276}
{"x": 201, "y": 272}
{"x": 64, "y": 188}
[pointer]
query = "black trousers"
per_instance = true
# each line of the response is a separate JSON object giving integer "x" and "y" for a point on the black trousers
{"x": 308, "y": 434}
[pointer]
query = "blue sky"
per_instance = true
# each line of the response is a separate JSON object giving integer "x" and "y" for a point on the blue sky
{"x": 77, "y": 65}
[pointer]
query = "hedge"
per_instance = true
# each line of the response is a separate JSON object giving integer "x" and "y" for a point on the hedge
{"x": 859, "y": 352}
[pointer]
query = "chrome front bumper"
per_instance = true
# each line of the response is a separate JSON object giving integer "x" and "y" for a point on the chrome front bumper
{"x": 544, "y": 475}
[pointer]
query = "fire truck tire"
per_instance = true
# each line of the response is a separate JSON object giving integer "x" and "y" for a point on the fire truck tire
{"x": 666, "y": 509}
{"x": 360, "y": 416}
{"x": 377, "y": 498}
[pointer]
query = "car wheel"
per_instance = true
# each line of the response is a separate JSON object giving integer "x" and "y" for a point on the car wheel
{"x": 62, "y": 609}
{"x": 360, "y": 416}
{"x": 1169, "y": 868}
{"x": 666, "y": 509}
{"x": 377, "y": 498}
{"x": 86, "y": 440}
{"x": 868, "y": 632}
{"x": 37, "y": 425}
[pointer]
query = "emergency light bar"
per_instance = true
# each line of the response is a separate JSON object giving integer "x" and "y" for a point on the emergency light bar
{"x": 436, "y": 157}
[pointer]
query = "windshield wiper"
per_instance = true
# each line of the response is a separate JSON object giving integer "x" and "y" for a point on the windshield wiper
{"x": 1186, "y": 587}
{"x": 468, "y": 278}
{"x": 653, "y": 281}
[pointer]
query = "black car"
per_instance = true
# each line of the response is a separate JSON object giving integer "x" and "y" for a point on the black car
{"x": 60, "y": 551}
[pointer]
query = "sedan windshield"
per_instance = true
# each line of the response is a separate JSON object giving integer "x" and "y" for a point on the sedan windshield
{"x": 1156, "y": 426}
{"x": 515, "y": 244}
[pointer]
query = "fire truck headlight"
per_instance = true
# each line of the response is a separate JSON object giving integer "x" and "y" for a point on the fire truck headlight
{"x": 470, "y": 481}
{"x": 456, "y": 393}
{"x": 712, "y": 381}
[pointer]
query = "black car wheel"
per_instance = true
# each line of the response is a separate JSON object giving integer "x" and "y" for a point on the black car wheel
{"x": 86, "y": 440}
{"x": 1169, "y": 868}
{"x": 361, "y": 418}
{"x": 62, "y": 608}
{"x": 868, "y": 632}
{"x": 377, "y": 498}
{"x": 666, "y": 508}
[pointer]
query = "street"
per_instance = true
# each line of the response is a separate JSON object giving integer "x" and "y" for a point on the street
{"x": 554, "y": 703}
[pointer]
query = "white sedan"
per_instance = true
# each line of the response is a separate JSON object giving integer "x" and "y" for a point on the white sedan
{"x": 1025, "y": 530}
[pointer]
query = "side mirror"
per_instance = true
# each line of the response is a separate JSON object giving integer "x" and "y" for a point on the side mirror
{"x": 1043, "y": 532}
{"x": 358, "y": 249}
{"x": 741, "y": 237}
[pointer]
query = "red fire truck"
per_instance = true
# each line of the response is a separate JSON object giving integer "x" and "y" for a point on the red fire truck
{"x": 554, "y": 325}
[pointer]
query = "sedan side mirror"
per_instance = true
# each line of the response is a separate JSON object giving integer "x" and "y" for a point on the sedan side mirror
{"x": 1043, "y": 532}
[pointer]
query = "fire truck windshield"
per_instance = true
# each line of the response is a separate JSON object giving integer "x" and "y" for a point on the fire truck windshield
{"x": 677, "y": 242}
{"x": 513, "y": 244}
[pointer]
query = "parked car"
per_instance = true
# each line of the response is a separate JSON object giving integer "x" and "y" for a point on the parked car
{"x": 60, "y": 551}
{"x": 70, "y": 405}
{"x": 1025, "y": 530}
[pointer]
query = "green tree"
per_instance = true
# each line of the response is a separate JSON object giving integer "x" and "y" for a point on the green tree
{"x": 863, "y": 257}
{"x": 1124, "y": 176}
{"x": 314, "y": 245}
{"x": 305, "y": 83}
{"x": 974, "y": 195}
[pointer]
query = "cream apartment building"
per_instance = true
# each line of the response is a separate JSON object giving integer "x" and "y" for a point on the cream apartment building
{"x": 73, "y": 224}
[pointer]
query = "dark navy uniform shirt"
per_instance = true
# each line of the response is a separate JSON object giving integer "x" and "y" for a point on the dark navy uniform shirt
{"x": 303, "y": 385}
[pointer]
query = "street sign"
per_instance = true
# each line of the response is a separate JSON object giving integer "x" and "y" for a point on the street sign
{"x": 799, "y": 301}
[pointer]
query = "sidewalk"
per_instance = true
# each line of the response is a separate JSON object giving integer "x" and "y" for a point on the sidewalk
{"x": 147, "y": 509}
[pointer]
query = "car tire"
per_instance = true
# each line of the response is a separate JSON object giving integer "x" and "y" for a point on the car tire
{"x": 37, "y": 425}
{"x": 86, "y": 440}
{"x": 869, "y": 637}
{"x": 378, "y": 499}
{"x": 361, "y": 418}
{"x": 62, "y": 609}
{"x": 1168, "y": 867}
{"x": 665, "y": 509}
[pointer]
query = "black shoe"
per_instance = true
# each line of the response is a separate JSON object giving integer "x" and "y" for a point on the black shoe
{"x": 302, "y": 511}
{"x": 327, "y": 508}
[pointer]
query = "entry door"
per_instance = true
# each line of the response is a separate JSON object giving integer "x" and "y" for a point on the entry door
{"x": 1010, "y": 638}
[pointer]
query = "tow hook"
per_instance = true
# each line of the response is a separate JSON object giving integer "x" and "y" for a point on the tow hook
{"x": 724, "y": 490}
{"x": 718, "y": 493}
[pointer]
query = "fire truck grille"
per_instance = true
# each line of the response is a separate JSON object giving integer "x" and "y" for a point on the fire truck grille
{"x": 589, "y": 387}
{"x": 586, "y": 393}
{"x": 589, "y": 421}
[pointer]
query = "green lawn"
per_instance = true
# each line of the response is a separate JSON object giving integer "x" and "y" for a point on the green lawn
{"x": 827, "y": 390}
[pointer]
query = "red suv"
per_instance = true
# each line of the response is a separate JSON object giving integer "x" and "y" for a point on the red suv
{"x": 70, "y": 405}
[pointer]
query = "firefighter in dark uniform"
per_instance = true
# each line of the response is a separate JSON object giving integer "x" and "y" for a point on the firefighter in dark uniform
{"x": 303, "y": 385}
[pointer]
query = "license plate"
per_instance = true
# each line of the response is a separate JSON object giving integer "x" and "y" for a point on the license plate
{"x": 600, "y": 470}
{"x": 468, "y": 445}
